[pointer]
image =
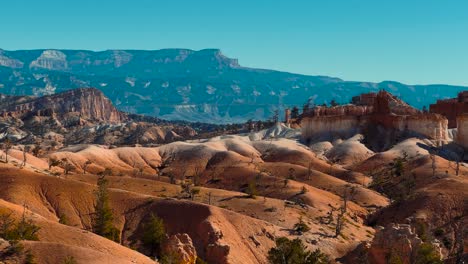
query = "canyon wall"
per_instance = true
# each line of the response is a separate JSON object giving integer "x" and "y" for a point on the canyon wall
{"x": 387, "y": 112}
{"x": 462, "y": 131}
{"x": 450, "y": 108}
{"x": 432, "y": 126}
{"x": 89, "y": 103}
{"x": 329, "y": 128}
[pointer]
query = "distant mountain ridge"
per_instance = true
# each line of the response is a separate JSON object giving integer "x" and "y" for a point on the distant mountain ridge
{"x": 183, "y": 84}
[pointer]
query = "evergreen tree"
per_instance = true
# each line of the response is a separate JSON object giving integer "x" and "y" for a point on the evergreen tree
{"x": 294, "y": 252}
{"x": 154, "y": 234}
{"x": 103, "y": 215}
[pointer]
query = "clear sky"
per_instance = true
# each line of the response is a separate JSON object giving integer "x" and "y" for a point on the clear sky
{"x": 411, "y": 41}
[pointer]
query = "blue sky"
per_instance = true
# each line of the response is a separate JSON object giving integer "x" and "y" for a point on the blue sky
{"x": 411, "y": 41}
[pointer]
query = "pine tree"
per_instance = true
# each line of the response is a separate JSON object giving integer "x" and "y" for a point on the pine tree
{"x": 154, "y": 234}
{"x": 103, "y": 215}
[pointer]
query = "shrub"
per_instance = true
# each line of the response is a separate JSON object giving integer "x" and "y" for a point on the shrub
{"x": 427, "y": 255}
{"x": 271, "y": 209}
{"x": 15, "y": 248}
{"x": 200, "y": 261}
{"x": 63, "y": 219}
{"x": 294, "y": 252}
{"x": 70, "y": 260}
{"x": 301, "y": 226}
{"x": 252, "y": 189}
{"x": 30, "y": 258}
{"x": 25, "y": 229}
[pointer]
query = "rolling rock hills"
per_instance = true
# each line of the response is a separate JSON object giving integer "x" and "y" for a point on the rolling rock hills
{"x": 224, "y": 199}
{"x": 180, "y": 84}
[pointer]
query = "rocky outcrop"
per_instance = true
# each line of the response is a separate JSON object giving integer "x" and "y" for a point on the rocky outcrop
{"x": 462, "y": 131}
{"x": 88, "y": 103}
{"x": 395, "y": 242}
{"x": 180, "y": 248}
{"x": 51, "y": 60}
{"x": 9, "y": 62}
{"x": 451, "y": 108}
{"x": 329, "y": 128}
{"x": 81, "y": 116}
{"x": 387, "y": 112}
{"x": 215, "y": 251}
{"x": 348, "y": 110}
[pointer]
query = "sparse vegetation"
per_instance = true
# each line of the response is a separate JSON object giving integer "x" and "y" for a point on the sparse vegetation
{"x": 63, "y": 219}
{"x": 11, "y": 230}
{"x": 154, "y": 234}
{"x": 70, "y": 260}
{"x": 303, "y": 190}
{"x": 86, "y": 165}
{"x": 7, "y": 145}
{"x": 200, "y": 261}
{"x": 30, "y": 258}
{"x": 301, "y": 227}
{"x": 294, "y": 252}
{"x": 427, "y": 255}
{"x": 103, "y": 216}
{"x": 252, "y": 189}
{"x": 25, "y": 156}
{"x": 36, "y": 151}
{"x": 67, "y": 166}
{"x": 53, "y": 163}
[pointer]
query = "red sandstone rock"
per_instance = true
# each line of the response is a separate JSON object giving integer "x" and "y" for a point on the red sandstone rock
{"x": 395, "y": 240}
{"x": 450, "y": 108}
{"x": 180, "y": 247}
{"x": 387, "y": 111}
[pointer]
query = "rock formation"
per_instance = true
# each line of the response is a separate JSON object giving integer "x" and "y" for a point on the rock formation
{"x": 451, "y": 108}
{"x": 88, "y": 103}
{"x": 386, "y": 111}
{"x": 397, "y": 241}
{"x": 180, "y": 247}
{"x": 81, "y": 116}
{"x": 462, "y": 130}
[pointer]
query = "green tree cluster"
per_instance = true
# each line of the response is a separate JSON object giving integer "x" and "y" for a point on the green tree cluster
{"x": 294, "y": 252}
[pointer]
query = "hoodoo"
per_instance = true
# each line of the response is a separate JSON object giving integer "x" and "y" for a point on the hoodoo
{"x": 367, "y": 114}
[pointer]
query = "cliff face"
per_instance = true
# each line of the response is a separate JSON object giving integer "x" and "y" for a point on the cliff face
{"x": 462, "y": 130}
{"x": 329, "y": 128}
{"x": 80, "y": 116}
{"x": 387, "y": 112}
{"x": 450, "y": 108}
{"x": 89, "y": 103}
{"x": 396, "y": 242}
{"x": 350, "y": 110}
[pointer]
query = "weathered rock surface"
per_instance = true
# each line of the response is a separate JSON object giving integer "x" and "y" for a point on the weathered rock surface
{"x": 398, "y": 241}
{"x": 451, "y": 108}
{"x": 86, "y": 103}
{"x": 180, "y": 247}
{"x": 79, "y": 116}
{"x": 389, "y": 113}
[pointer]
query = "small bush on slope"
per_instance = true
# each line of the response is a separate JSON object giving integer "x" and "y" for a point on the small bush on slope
{"x": 294, "y": 252}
